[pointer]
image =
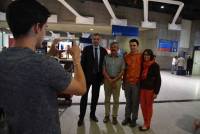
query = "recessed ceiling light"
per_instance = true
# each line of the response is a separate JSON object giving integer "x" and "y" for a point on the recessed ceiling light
{"x": 162, "y": 7}
{"x": 91, "y": 29}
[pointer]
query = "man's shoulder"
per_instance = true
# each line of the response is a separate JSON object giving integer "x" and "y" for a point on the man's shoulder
{"x": 104, "y": 50}
{"x": 128, "y": 55}
{"x": 108, "y": 56}
{"x": 49, "y": 59}
{"x": 88, "y": 47}
{"x": 39, "y": 57}
{"x": 43, "y": 59}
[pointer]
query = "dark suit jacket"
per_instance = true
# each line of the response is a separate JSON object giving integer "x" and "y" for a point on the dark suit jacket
{"x": 87, "y": 62}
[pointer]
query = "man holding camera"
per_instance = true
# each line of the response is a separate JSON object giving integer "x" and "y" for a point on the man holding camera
{"x": 30, "y": 81}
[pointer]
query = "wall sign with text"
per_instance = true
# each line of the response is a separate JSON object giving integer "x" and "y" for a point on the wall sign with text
{"x": 167, "y": 45}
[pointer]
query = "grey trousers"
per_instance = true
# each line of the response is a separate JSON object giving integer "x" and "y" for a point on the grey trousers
{"x": 132, "y": 95}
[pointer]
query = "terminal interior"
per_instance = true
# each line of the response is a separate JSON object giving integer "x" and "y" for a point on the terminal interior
{"x": 158, "y": 27}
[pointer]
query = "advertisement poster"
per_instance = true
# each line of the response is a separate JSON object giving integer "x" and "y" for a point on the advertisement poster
{"x": 167, "y": 45}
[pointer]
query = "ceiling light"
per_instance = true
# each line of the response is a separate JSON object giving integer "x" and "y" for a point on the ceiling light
{"x": 91, "y": 29}
{"x": 162, "y": 7}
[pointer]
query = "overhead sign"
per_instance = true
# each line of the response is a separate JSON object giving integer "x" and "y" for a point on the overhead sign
{"x": 125, "y": 30}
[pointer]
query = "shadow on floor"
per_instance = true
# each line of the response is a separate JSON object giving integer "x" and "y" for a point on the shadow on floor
{"x": 136, "y": 130}
{"x": 109, "y": 128}
{"x": 81, "y": 130}
{"x": 113, "y": 129}
{"x": 186, "y": 123}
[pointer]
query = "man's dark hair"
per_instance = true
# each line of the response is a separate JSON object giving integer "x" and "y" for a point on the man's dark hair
{"x": 116, "y": 43}
{"x": 134, "y": 40}
{"x": 96, "y": 34}
{"x": 21, "y": 15}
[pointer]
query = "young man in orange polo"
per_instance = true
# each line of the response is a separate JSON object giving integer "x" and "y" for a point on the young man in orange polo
{"x": 131, "y": 83}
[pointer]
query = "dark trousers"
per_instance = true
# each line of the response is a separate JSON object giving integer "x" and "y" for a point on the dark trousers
{"x": 132, "y": 94}
{"x": 95, "y": 83}
{"x": 189, "y": 70}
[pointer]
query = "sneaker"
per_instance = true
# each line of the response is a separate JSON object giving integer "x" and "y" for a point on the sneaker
{"x": 106, "y": 119}
{"x": 114, "y": 121}
{"x": 126, "y": 121}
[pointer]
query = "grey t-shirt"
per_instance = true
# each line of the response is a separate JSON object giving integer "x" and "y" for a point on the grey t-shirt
{"x": 28, "y": 86}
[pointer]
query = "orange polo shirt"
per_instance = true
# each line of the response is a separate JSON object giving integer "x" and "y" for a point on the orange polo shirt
{"x": 133, "y": 67}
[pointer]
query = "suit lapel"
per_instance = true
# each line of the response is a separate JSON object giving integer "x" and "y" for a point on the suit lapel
{"x": 92, "y": 53}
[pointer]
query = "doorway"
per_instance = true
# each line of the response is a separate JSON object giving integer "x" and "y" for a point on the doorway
{"x": 196, "y": 63}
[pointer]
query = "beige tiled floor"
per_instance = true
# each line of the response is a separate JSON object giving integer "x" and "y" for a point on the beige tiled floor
{"x": 168, "y": 118}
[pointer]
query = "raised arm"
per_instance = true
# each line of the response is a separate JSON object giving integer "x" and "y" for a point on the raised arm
{"x": 78, "y": 83}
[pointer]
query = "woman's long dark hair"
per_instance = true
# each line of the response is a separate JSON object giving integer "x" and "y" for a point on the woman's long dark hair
{"x": 149, "y": 52}
{"x": 152, "y": 56}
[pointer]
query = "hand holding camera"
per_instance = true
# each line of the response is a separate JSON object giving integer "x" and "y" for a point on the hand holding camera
{"x": 75, "y": 52}
{"x": 64, "y": 45}
{"x": 54, "y": 50}
{"x": 59, "y": 46}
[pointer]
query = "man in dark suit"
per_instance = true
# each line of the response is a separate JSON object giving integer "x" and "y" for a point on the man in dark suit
{"x": 92, "y": 61}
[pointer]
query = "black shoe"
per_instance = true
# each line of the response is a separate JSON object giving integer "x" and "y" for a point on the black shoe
{"x": 94, "y": 118}
{"x": 114, "y": 121}
{"x": 106, "y": 119}
{"x": 80, "y": 122}
{"x": 126, "y": 121}
{"x": 144, "y": 128}
{"x": 133, "y": 123}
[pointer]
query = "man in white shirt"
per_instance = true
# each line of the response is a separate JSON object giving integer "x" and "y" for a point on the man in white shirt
{"x": 174, "y": 64}
{"x": 181, "y": 63}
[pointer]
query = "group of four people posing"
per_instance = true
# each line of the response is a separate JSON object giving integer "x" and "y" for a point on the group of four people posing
{"x": 138, "y": 74}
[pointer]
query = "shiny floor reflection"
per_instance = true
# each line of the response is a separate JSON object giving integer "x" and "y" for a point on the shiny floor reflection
{"x": 169, "y": 118}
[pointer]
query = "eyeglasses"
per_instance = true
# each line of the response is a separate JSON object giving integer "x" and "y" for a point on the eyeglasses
{"x": 146, "y": 55}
